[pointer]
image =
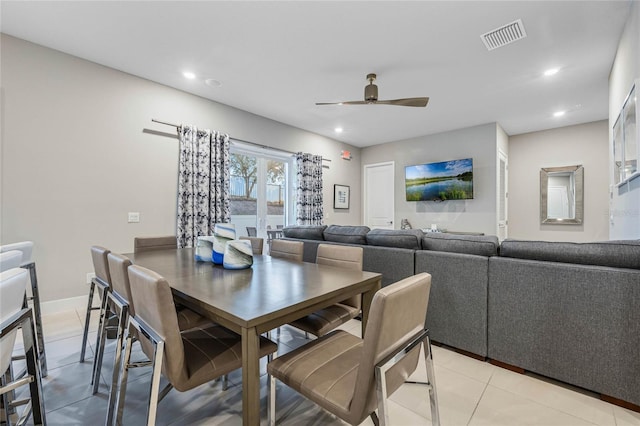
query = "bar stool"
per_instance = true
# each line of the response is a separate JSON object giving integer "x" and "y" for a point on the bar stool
{"x": 14, "y": 316}
{"x": 101, "y": 283}
{"x": 26, "y": 247}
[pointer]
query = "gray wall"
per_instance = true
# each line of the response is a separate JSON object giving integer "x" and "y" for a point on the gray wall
{"x": 79, "y": 151}
{"x": 625, "y": 201}
{"x": 479, "y": 143}
{"x": 584, "y": 144}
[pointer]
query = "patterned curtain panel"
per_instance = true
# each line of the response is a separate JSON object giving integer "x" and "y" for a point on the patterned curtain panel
{"x": 203, "y": 183}
{"x": 309, "y": 189}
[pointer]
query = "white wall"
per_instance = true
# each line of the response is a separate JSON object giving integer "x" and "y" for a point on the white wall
{"x": 502, "y": 146}
{"x": 584, "y": 144}
{"x": 625, "y": 201}
{"x": 479, "y": 143}
{"x": 79, "y": 151}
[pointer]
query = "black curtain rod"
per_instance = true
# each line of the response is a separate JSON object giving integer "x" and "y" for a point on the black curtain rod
{"x": 237, "y": 140}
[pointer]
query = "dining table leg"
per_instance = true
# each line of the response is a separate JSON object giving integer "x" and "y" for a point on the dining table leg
{"x": 250, "y": 377}
{"x": 367, "y": 298}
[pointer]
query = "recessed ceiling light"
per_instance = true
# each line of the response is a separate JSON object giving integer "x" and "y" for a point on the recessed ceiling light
{"x": 189, "y": 75}
{"x": 559, "y": 113}
{"x": 213, "y": 82}
{"x": 551, "y": 72}
{"x": 338, "y": 129}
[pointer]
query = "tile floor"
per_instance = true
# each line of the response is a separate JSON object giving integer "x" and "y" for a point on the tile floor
{"x": 470, "y": 392}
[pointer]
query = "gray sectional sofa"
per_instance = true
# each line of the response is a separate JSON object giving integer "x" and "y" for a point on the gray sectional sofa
{"x": 569, "y": 311}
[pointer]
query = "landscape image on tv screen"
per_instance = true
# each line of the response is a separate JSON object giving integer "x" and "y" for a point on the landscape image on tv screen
{"x": 447, "y": 180}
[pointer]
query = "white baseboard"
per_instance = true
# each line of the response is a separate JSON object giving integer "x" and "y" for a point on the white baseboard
{"x": 62, "y": 305}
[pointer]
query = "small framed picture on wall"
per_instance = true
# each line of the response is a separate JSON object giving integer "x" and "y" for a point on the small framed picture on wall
{"x": 340, "y": 197}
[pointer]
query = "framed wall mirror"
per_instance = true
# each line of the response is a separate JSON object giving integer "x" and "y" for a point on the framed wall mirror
{"x": 562, "y": 195}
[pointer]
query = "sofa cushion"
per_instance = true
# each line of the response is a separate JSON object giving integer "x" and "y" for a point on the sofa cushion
{"x": 402, "y": 238}
{"x": 346, "y": 234}
{"x": 305, "y": 232}
{"x": 481, "y": 245}
{"x": 616, "y": 254}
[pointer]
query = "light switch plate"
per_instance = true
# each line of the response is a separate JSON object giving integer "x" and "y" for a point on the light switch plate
{"x": 134, "y": 217}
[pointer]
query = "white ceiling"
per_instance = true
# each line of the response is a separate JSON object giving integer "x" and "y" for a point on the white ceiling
{"x": 276, "y": 58}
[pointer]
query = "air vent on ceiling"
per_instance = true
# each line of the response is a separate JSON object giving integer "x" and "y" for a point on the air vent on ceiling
{"x": 504, "y": 35}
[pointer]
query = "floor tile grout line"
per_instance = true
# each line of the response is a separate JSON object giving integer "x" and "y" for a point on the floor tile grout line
{"x": 592, "y": 397}
{"x": 479, "y": 399}
{"x": 539, "y": 403}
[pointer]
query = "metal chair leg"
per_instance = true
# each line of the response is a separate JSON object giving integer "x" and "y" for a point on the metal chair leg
{"x": 122, "y": 320}
{"x": 86, "y": 321}
{"x": 381, "y": 391}
{"x": 225, "y": 382}
{"x": 34, "y": 370}
{"x": 155, "y": 383}
{"x": 35, "y": 297}
{"x": 118, "y": 404}
{"x": 271, "y": 407}
{"x": 100, "y": 341}
{"x": 6, "y": 409}
{"x": 431, "y": 377}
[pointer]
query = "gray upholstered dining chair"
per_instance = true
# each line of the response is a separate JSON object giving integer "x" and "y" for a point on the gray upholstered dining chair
{"x": 284, "y": 249}
{"x": 323, "y": 321}
{"x": 257, "y": 244}
{"x": 120, "y": 303}
{"x": 186, "y": 359}
{"x": 290, "y": 250}
{"x": 164, "y": 242}
{"x": 101, "y": 283}
{"x": 14, "y": 316}
{"x": 350, "y": 377}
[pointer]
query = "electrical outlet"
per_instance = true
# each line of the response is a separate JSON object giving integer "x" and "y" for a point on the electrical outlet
{"x": 134, "y": 217}
{"x": 90, "y": 276}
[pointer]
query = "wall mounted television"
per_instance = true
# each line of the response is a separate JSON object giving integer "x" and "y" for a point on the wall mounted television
{"x": 446, "y": 180}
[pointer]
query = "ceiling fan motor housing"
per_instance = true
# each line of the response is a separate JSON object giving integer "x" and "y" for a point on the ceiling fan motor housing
{"x": 371, "y": 93}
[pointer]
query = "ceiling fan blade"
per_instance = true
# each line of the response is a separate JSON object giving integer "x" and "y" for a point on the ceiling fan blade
{"x": 410, "y": 102}
{"x": 343, "y": 103}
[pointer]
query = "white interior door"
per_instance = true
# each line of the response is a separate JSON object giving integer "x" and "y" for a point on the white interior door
{"x": 379, "y": 195}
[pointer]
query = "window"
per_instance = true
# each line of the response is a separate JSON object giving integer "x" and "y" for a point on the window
{"x": 260, "y": 198}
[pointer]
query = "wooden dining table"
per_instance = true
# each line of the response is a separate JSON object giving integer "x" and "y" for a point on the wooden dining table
{"x": 253, "y": 301}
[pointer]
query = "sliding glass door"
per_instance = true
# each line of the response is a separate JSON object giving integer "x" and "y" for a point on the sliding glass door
{"x": 260, "y": 198}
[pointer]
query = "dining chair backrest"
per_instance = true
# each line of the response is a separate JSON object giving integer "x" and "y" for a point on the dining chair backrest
{"x": 342, "y": 257}
{"x": 397, "y": 315}
{"x": 13, "y": 284}
{"x": 252, "y": 231}
{"x": 26, "y": 247}
{"x": 100, "y": 263}
{"x": 257, "y": 244}
{"x": 118, "y": 265}
{"x": 10, "y": 259}
{"x": 164, "y": 242}
{"x": 291, "y": 250}
{"x": 154, "y": 304}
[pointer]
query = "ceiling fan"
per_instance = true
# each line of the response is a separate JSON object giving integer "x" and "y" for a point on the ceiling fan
{"x": 371, "y": 97}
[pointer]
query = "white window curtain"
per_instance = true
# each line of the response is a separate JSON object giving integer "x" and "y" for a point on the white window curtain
{"x": 309, "y": 210}
{"x": 203, "y": 183}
